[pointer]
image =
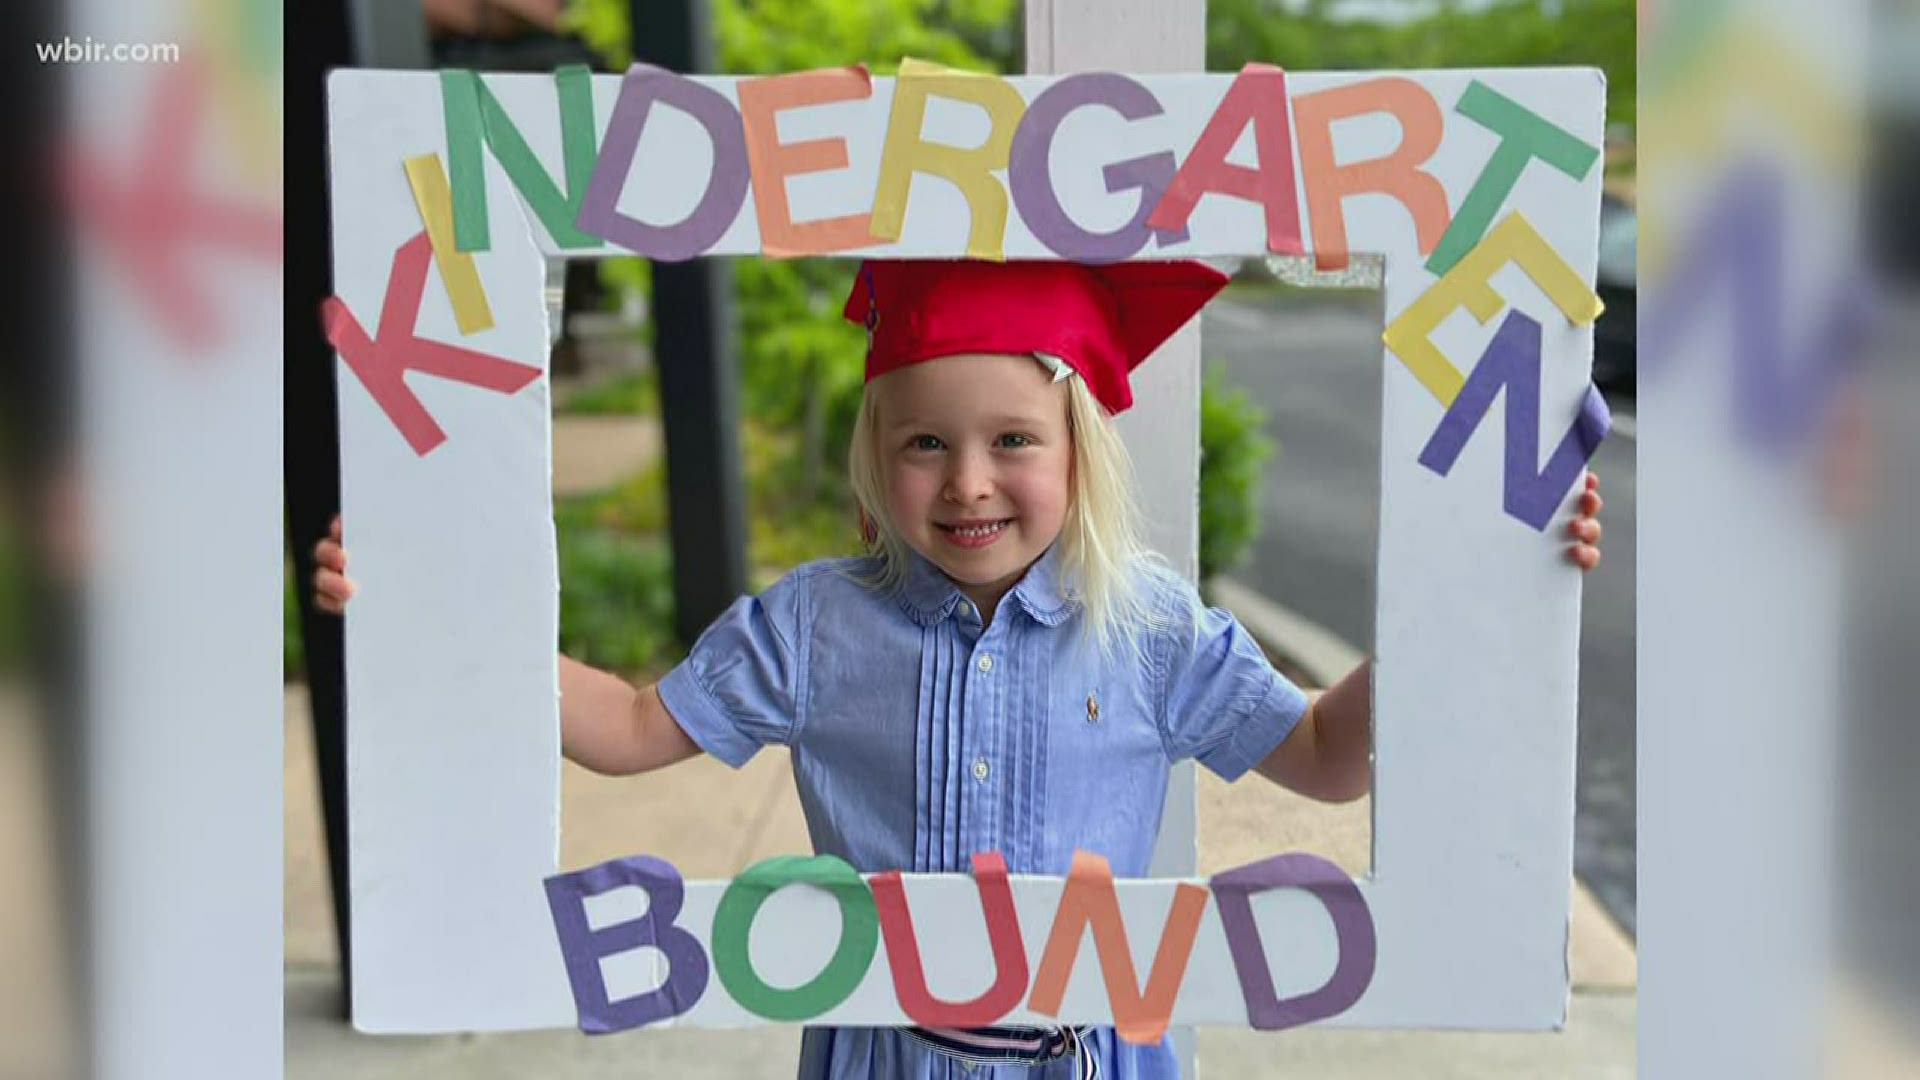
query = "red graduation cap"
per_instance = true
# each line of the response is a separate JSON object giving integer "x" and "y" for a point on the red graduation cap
{"x": 1101, "y": 320}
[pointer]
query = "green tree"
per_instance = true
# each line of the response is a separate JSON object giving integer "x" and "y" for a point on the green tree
{"x": 1507, "y": 33}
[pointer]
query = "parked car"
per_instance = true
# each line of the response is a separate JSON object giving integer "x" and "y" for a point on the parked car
{"x": 1613, "y": 334}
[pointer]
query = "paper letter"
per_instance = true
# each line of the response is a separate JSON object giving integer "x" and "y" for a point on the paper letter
{"x": 1352, "y": 928}
{"x": 1032, "y": 183}
{"x": 1398, "y": 174}
{"x": 969, "y": 169}
{"x": 1089, "y": 900}
{"x": 1515, "y": 241}
{"x": 1785, "y": 377}
{"x": 1512, "y": 361}
{"x": 381, "y": 364}
{"x": 733, "y": 920}
{"x": 772, "y": 161}
{"x": 473, "y": 114}
{"x": 1258, "y": 96}
{"x": 1003, "y": 935}
{"x": 457, "y": 270}
{"x": 583, "y": 947}
{"x": 1524, "y": 136}
{"x": 726, "y": 186}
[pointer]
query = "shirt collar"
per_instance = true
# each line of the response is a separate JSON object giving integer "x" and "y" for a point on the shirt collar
{"x": 930, "y": 596}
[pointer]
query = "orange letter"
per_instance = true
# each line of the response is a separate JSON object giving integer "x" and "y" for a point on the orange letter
{"x": 1398, "y": 174}
{"x": 1089, "y": 899}
{"x": 772, "y": 161}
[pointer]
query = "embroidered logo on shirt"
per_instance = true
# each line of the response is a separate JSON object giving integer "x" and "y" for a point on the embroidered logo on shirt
{"x": 1093, "y": 708}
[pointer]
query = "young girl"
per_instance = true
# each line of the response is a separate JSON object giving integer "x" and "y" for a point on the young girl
{"x": 1008, "y": 669}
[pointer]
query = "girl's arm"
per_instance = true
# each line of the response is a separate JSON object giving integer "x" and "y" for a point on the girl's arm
{"x": 1328, "y": 755}
{"x": 605, "y": 723}
{"x": 614, "y": 728}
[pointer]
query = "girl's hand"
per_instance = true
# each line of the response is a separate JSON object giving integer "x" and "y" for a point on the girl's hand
{"x": 1584, "y": 552}
{"x": 331, "y": 587}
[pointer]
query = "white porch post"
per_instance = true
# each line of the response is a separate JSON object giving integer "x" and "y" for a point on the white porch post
{"x": 1162, "y": 430}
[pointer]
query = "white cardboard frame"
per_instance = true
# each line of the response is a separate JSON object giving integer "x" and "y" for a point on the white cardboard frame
{"x": 453, "y": 760}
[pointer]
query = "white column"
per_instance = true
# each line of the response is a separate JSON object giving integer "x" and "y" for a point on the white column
{"x": 1162, "y": 430}
{"x": 179, "y": 470}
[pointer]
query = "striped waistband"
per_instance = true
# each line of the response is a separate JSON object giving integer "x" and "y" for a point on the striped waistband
{"x": 1011, "y": 1046}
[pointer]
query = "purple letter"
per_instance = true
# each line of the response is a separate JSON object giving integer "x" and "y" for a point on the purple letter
{"x": 726, "y": 185}
{"x": 1352, "y": 928}
{"x": 1781, "y": 387}
{"x": 1512, "y": 360}
{"x": 583, "y": 947}
{"x": 1032, "y": 182}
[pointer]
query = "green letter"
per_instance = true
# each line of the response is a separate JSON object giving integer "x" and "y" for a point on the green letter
{"x": 1524, "y": 135}
{"x": 733, "y": 919}
{"x": 473, "y": 114}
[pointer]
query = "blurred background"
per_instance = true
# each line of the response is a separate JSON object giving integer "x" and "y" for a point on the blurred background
{"x": 1775, "y": 753}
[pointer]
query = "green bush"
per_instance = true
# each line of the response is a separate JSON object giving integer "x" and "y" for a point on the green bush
{"x": 293, "y": 653}
{"x": 14, "y": 601}
{"x": 1232, "y": 450}
{"x": 634, "y": 393}
{"x": 616, "y": 586}
{"x": 790, "y": 524}
{"x": 616, "y": 599}
{"x": 622, "y": 276}
{"x": 802, "y": 366}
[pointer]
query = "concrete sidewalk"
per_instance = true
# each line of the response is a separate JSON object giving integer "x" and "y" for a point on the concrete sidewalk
{"x": 594, "y": 453}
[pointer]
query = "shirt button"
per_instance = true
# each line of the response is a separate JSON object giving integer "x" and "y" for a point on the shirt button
{"x": 980, "y": 768}
{"x": 985, "y": 663}
{"x": 966, "y": 609}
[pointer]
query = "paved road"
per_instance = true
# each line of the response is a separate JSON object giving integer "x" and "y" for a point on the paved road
{"x": 1316, "y": 366}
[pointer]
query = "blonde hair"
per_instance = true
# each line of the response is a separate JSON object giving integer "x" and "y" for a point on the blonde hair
{"x": 1102, "y": 561}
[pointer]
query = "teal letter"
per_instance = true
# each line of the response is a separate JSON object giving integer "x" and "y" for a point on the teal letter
{"x": 473, "y": 115}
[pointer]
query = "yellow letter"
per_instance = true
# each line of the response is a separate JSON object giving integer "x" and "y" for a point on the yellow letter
{"x": 428, "y": 178}
{"x": 969, "y": 169}
{"x": 1515, "y": 241}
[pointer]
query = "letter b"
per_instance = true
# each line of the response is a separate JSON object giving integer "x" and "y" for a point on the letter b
{"x": 583, "y": 947}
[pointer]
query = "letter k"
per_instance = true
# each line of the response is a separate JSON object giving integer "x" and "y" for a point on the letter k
{"x": 382, "y": 362}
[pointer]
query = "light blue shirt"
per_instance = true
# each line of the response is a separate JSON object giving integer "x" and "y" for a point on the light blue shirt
{"x": 920, "y": 736}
